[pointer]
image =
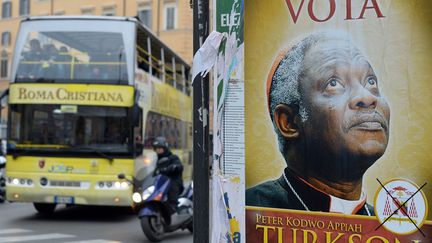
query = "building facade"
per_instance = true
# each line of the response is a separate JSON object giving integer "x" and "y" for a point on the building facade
{"x": 170, "y": 20}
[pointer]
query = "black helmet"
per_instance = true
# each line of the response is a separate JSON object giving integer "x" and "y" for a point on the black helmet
{"x": 160, "y": 142}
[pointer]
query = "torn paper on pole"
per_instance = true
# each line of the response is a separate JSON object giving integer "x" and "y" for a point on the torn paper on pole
{"x": 227, "y": 227}
{"x": 205, "y": 57}
{"x": 229, "y": 66}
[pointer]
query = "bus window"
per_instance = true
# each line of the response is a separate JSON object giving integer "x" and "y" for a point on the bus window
{"x": 174, "y": 130}
{"x": 44, "y": 126}
{"x": 48, "y": 51}
{"x": 47, "y": 56}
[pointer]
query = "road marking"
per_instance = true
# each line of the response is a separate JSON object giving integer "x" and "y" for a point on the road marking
{"x": 34, "y": 237}
{"x": 94, "y": 241}
{"x": 13, "y": 231}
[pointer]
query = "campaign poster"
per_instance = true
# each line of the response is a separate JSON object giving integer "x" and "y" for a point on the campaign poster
{"x": 338, "y": 120}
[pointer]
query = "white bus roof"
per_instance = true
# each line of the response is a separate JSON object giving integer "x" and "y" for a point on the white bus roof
{"x": 81, "y": 17}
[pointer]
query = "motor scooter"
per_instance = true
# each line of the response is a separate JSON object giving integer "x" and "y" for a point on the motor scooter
{"x": 154, "y": 210}
{"x": 2, "y": 179}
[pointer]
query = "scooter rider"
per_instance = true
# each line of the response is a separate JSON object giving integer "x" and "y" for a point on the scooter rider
{"x": 169, "y": 165}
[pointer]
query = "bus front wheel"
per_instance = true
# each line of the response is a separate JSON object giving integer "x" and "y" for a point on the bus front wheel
{"x": 45, "y": 208}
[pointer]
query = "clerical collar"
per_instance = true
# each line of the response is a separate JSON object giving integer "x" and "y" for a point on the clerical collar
{"x": 339, "y": 205}
{"x": 313, "y": 199}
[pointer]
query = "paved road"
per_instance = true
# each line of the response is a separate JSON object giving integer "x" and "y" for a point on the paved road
{"x": 20, "y": 223}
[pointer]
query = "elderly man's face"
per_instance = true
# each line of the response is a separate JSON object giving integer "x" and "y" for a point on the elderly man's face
{"x": 347, "y": 116}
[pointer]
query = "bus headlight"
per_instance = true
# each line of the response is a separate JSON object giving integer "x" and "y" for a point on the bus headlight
{"x": 136, "y": 197}
{"x": 147, "y": 192}
{"x": 22, "y": 182}
{"x": 124, "y": 185}
{"x": 112, "y": 185}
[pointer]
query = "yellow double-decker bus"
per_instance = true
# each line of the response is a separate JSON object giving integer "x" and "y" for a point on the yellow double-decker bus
{"x": 87, "y": 98}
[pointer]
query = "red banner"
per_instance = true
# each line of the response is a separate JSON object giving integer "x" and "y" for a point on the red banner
{"x": 269, "y": 225}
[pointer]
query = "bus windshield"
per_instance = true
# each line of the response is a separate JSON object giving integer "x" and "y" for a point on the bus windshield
{"x": 70, "y": 127}
{"x": 65, "y": 53}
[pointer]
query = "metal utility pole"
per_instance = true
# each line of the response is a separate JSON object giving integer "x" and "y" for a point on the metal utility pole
{"x": 201, "y": 129}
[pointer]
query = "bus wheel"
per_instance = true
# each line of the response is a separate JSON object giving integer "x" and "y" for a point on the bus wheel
{"x": 45, "y": 208}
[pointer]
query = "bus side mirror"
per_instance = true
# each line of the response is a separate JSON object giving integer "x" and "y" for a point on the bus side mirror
{"x": 139, "y": 147}
{"x": 136, "y": 114}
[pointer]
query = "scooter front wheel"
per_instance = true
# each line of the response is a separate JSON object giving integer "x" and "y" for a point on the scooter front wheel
{"x": 153, "y": 227}
{"x": 190, "y": 227}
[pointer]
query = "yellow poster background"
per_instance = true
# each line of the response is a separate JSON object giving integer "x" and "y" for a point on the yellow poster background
{"x": 399, "y": 48}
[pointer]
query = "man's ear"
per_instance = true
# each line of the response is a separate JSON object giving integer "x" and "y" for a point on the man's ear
{"x": 285, "y": 119}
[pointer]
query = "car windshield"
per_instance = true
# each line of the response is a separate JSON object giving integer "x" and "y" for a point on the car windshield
{"x": 70, "y": 127}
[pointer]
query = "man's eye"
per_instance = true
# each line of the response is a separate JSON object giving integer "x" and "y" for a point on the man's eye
{"x": 333, "y": 85}
{"x": 333, "y": 82}
{"x": 371, "y": 81}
